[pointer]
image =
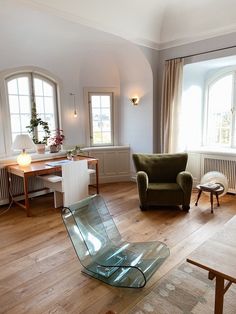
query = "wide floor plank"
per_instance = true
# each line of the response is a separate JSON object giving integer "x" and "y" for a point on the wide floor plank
{"x": 40, "y": 272}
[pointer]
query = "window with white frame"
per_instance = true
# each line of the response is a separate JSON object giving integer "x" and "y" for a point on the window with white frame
{"x": 26, "y": 90}
{"x": 220, "y": 108}
{"x": 101, "y": 118}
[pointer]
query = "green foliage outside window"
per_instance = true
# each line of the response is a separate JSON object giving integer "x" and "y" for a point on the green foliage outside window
{"x": 35, "y": 121}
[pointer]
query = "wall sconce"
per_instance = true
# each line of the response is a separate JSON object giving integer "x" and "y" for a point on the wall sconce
{"x": 75, "y": 112}
{"x": 134, "y": 101}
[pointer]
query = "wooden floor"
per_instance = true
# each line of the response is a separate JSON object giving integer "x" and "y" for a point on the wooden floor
{"x": 40, "y": 273}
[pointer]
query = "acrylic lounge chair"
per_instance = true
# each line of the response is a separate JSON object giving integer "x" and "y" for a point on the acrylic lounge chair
{"x": 102, "y": 252}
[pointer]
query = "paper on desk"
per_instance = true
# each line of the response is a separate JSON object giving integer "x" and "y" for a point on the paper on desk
{"x": 58, "y": 163}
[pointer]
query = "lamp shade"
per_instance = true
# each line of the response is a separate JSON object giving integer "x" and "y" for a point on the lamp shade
{"x": 23, "y": 142}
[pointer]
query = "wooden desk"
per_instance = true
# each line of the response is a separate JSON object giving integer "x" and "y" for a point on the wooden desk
{"x": 40, "y": 168}
{"x": 218, "y": 256}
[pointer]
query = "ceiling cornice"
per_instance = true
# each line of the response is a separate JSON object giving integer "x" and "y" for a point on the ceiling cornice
{"x": 162, "y": 45}
{"x": 203, "y": 36}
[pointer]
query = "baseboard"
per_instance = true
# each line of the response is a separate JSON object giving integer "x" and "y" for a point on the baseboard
{"x": 112, "y": 179}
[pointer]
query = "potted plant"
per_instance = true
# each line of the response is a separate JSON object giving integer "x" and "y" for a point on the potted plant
{"x": 36, "y": 121}
{"x": 54, "y": 142}
{"x": 73, "y": 152}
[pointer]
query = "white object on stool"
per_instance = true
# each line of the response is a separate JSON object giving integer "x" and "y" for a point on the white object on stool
{"x": 216, "y": 177}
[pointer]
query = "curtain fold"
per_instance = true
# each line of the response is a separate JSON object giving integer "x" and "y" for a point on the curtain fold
{"x": 171, "y": 105}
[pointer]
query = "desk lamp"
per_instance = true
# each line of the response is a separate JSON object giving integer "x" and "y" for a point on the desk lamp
{"x": 23, "y": 142}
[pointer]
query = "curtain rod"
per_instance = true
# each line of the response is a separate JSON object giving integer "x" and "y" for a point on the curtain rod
{"x": 202, "y": 53}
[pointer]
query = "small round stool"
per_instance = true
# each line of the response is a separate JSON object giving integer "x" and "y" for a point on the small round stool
{"x": 212, "y": 192}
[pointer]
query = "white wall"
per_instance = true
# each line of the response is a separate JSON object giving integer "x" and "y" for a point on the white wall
{"x": 136, "y": 122}
{"x": 152, "y": 57}
{"x": 79, "y": 57}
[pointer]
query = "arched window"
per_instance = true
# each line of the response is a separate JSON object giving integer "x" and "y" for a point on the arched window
{"x": 220, "y": 112}
{"x": 26, "y": 90}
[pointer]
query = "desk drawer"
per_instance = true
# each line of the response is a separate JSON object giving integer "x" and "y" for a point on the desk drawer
{"x": 44, "y": 171}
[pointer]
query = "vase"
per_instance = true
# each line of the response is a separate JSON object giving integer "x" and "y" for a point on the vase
{"x": 40, "y": 148}
{"x": 70, "y": 156}
{"x": 55, "y": 148}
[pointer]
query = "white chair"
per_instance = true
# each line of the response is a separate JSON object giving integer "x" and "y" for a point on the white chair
{"x": 72, "y": 186}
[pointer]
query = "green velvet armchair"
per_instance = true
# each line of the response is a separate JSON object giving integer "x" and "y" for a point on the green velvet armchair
{"x": 162, "y": 180}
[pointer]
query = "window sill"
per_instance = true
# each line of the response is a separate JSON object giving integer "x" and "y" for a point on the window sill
{"x": 92, "y": 148}
{"x": 214, "y": 151}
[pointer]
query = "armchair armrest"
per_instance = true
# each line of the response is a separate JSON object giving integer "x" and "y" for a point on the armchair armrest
{"x": 185, "y": 180}
{"x": 142, "y": 181}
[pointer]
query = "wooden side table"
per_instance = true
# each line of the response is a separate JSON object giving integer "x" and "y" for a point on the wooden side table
{"x": 217, "y": 256}
{"x": 212, "y": 192}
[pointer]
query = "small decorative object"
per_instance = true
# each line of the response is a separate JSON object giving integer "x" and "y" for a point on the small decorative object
{"x": 55, "y": 142}
{"x": 73, "y": 152}
{"x": 214, "y": 180}
{"x": 35, "y": 121}
{"x": 55, "y": 148}
{"x": 40, "y": 148}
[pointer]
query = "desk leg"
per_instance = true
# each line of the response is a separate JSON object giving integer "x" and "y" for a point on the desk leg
{"x": 27, "y": 207}
{"x": 219, "y": 295}
{"x": 9, "y": 187}
{"x": 97, "y": 180}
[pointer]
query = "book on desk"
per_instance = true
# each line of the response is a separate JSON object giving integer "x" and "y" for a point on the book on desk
{"x": 58, "y": 163}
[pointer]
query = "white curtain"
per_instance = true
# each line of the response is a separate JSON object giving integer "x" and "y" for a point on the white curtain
{"x": 171, "y": 105}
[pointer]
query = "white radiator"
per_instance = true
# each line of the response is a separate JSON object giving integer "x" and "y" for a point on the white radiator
{"x": 16, "y": 185}
{"x": 223, "y": 164}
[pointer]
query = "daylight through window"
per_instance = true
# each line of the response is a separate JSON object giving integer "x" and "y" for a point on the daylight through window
{"x": 101, "y": 118}
{"x": 25, "y": 91}
{"x": 220, "y": 112}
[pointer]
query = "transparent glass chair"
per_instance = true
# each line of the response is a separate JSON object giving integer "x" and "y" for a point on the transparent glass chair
{"x": 102, "y": 252}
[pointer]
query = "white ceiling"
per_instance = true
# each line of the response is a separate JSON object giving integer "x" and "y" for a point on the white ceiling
{"x": 154, "y": 23}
